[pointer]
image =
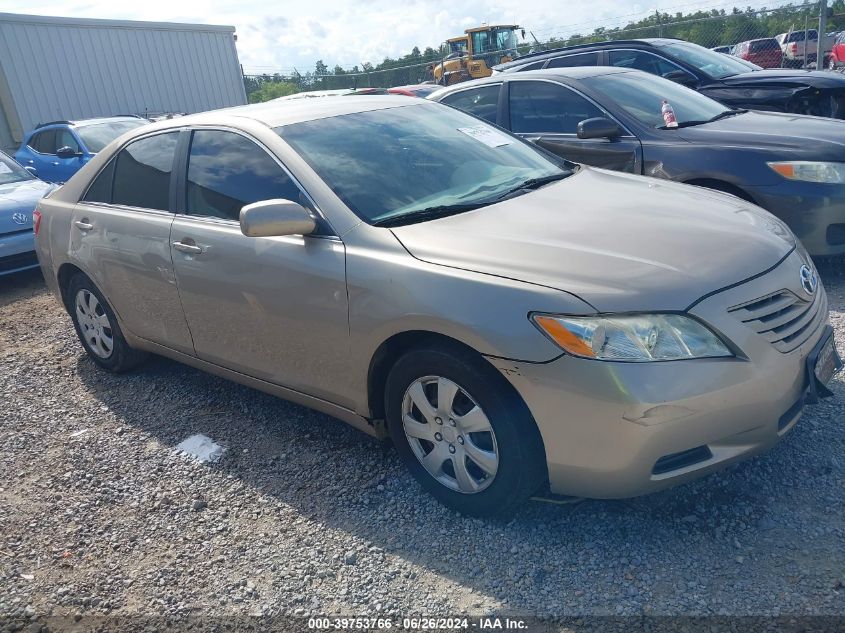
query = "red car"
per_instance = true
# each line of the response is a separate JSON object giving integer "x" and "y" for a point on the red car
{"x": 416, "y": 90}
{"x": 765, "y": 52}
{"x": 837, "y": 55}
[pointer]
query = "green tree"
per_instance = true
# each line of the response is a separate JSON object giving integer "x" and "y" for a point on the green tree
{"x": 272, "y": 90}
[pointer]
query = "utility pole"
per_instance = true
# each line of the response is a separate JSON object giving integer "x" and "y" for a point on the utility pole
{"x": 822, "y": 30}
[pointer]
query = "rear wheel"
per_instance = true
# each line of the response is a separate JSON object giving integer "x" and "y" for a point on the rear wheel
{"x": 462, "y": 432}
{"x": 97, "y": 327}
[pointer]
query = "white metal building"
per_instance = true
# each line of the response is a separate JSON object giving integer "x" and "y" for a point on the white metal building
{"x": 68, "y": 68}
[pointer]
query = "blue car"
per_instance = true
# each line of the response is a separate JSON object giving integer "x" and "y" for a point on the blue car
{"x": 56, "y": 151}
{"x": 19, "y": 192}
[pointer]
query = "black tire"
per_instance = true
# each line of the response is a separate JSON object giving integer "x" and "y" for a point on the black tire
{"x": 522, "y": 459}
{"x": 122, "y": 357}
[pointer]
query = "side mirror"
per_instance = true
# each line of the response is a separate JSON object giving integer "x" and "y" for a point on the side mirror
{"x": 599, "y": 127}
{"x": 274, "y": 218}
{"x": 67, "y": 152}
{"x": 32, "y": 170}
{"x": 681, "y": 77}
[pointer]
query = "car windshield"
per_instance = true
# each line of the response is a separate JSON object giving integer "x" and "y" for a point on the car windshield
{"x": 715, "y": 65}
{"x": 97, "y": 135}
{"x": 11, "y": 172}
{"x": 642, "y": 95}
{"x": 404, "y": 160}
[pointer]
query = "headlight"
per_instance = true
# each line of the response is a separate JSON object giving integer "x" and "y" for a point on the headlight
{"x": 810, "y": 171}
{"x": 632, "y": 338}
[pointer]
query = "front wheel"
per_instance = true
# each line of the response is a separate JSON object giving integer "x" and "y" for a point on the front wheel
{"x": 463, "y": 433}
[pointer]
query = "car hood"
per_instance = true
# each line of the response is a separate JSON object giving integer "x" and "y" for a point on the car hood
{"x": 804, "y": 137}
{"x": 619, "y": 242}
{"x": 786, "y": 77}
{"x": 20, "y": 198}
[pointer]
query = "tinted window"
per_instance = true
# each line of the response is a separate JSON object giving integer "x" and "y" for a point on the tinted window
{"x": 97, "y": 135}
{"x": 641, "y": 60}
{"x": 570, "y": 61}
{"x": 482, "y": 102}
{"x": 100, "y": 189}
{"x": 713, "y": 64}
{"x": 765, "y": 45}
{"x": 533, "y": 66}
{"x": 65, "y": 138}
{"x": 539, "y": 106}
{"x": 44, "y": 142}
{"x": 227, "y": 171}
{"x": 142, "y": 172}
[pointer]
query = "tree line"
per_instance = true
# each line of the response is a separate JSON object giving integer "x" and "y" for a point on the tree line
{"x": 707, "y": 28}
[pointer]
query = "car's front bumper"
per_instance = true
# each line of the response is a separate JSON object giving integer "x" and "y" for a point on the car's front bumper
{"x": 814, "y": 212}
{"x": 17, "y": 252}
{"x": 624, "y": 429}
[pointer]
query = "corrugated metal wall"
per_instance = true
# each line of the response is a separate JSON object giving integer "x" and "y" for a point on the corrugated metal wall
{"x": 67, "y": 68}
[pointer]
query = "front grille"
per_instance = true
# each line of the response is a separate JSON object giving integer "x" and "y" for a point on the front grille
{"x": 783, "y": 318}
{"x": 22, "y": 260}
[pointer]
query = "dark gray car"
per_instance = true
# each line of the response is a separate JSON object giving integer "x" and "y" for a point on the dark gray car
{"x": 791, "y": 165}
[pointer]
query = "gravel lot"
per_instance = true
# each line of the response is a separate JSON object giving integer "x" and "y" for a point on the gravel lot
{"x": 99, "y": 514}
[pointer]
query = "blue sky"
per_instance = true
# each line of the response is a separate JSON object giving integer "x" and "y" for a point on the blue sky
{"x": 282, "y": 35}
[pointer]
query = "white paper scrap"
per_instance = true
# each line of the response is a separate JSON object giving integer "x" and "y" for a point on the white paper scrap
{"x": 486, "y": 135}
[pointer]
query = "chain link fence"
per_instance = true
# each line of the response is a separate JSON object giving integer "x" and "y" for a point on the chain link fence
{"x": 785, "y": 37}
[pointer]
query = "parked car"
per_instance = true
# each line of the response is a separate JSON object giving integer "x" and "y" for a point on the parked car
{"x": 415, "y": 90}
{"x": 793, "y": 166}
{"x": 510, "y": 320}
{"x": 731, "y": 80}
{"x": 764, "y": 52}
{"x": 837, "y": 54}
{"x": 19, "y": 191}
{"x": 55, "y": 151}
{"x": 800, "y": 49}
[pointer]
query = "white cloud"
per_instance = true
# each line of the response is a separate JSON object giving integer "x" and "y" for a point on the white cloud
{"x": 286, "y": 35}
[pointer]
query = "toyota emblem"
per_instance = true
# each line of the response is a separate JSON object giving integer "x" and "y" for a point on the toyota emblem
{"x": 20, "y": 218}
{"x": 809, "y": 282}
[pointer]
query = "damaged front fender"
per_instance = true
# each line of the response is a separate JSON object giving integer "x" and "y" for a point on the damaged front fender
{"x": 797, "y": 99}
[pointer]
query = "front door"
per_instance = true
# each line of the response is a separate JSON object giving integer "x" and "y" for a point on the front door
{"x": 121, "y": 233}
{"x": 274, "y": 308}
{"x": 548, "y": 114}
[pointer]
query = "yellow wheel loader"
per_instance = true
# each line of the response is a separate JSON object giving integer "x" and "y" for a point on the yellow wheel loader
{"x": 472, "y": 55}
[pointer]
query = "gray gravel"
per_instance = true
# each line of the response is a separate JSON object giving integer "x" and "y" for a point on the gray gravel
{"x": 302, "y": 514}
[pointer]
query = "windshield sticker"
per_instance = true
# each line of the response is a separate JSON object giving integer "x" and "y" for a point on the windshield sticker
{"x": 5, "y": 169}
{"x": 486, "y": 135}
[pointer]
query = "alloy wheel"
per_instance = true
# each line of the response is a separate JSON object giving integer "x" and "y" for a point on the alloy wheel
{"x": 94, "y": 324}
{"x": 450, "y": 434}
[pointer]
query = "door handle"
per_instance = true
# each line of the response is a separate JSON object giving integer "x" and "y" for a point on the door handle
{"x": 191, "y": 249}
{"x": 83, "y": 226}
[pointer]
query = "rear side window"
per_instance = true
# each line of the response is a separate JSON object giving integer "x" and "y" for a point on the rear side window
{"x": 100, "y": 189}
{"x": 482, "y": 102}
{"x": 142, "y": 172}
{"x": 765, "y": 45}
{"x": 571, "y": 61}
{"x": 542, "y": 107}
{"x": 227, "y": 171}
{"x": 44, "y": 142}
{"x": 641, "y": 60}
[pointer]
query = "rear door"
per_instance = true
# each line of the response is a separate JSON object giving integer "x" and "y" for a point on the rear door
{"x": 274, "y": 308}
{"x": 547, "y": 113}
{"x": 120, "y": 235}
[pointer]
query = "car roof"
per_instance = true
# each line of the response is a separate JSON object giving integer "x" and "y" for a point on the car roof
{"x": 281, "y": 112}
{"x": 84, "y": 122}
{"x": 575, "y": 72}
{"x": 646, "y": 42}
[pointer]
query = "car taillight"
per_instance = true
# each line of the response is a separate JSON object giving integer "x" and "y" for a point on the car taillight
{"x": 794, "y": 48}
{"x": 36, "y": 221}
